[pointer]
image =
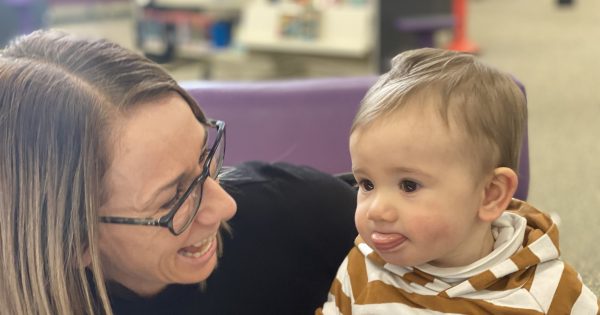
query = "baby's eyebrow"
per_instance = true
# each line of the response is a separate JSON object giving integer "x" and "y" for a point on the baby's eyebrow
{"x": 409, "y": 170}
{"x": 355, "y": 169}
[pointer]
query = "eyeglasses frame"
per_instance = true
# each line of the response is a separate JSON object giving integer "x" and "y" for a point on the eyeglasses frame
{"x": 167, "y": 219}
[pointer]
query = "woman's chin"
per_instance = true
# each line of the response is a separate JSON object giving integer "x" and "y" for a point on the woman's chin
{"x": 195, "y": 272}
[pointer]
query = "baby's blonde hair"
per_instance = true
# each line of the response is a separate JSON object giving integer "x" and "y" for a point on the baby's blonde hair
{"x": 484, "y": 102}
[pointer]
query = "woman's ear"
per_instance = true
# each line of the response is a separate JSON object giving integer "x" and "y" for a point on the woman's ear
{"x": 498, "y": 193}
{"x": 87, "y": 257}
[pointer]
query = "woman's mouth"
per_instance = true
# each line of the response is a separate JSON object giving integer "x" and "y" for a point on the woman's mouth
{"x": 384, "y": 242}
{"x": 198, "y": 249}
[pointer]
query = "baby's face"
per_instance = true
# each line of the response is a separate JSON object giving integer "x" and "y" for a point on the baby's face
{"x": 418, "y": 199}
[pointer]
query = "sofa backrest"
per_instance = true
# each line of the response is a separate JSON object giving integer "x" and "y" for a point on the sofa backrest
{"x": 300, "y": 121}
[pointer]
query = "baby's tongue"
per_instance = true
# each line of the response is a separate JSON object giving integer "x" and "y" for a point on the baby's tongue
{"x": 387, "y": 241}
{"x": 386, "y": 237}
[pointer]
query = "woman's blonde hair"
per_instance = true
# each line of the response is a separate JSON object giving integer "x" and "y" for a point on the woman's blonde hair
{"x": 59, "y": 98}
{"x": 484, "y": 102}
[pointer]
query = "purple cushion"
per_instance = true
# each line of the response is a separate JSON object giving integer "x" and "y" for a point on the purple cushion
{"x": 303, "y": 122}
{"x": 523, "y": 188}
{"x": 424, "y": 23}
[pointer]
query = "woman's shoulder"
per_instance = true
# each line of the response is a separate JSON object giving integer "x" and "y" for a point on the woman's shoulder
{"x": 293, "y": 227}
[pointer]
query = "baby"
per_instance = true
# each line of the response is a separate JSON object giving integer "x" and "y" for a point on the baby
{"x": 435, "y": 149}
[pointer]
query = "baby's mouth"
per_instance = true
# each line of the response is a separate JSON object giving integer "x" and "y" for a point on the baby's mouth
{"x": 387, "y": 241}
{"x": 198, "y": 249}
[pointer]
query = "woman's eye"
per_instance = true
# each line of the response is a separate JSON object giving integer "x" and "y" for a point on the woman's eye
{"x": 409, "y": 186}
{"x": 366, "y": 185}
{"x": 203, "y": 157}
{"x": 171, "y": 203}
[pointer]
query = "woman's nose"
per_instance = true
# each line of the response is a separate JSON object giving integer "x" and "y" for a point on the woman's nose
{"x": 216, "y": 204}
{"x": 382, "y": 209}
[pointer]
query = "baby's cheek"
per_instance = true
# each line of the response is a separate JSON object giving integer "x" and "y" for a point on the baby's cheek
{"x": 430, "y": 229}
{"x": 360, "y": 220}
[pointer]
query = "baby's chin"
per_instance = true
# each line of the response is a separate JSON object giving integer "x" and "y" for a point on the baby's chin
{"x": 401, "y": 261}
{"x": 403, "y": 255}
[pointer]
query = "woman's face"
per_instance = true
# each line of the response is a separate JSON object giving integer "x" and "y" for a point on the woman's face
{"x": 158, "y": 151}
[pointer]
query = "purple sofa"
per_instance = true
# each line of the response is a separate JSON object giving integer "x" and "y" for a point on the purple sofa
{"x": 304, "y": 121}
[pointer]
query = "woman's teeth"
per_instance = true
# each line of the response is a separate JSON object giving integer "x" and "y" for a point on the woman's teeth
{"x": 199, "y": 248}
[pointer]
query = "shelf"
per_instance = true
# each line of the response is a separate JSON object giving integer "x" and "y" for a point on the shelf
{"x": 344, "y": 30}
{"x": 208, "y": 5}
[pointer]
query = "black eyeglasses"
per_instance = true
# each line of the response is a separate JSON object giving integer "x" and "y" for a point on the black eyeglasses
{"x": 184, "y": 211}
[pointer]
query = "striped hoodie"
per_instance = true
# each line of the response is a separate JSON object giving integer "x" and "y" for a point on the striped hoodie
{"x": 522, "y": 275}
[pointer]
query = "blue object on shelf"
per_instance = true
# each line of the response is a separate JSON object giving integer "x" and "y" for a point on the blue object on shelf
{"x": 221, "y": 33}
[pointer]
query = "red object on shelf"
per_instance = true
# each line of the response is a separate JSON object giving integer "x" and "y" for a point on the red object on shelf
{"x": 460, "y": 41}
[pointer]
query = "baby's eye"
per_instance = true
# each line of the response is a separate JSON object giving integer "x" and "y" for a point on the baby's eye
{"x": 409, "y": 186}
{"x": 366, "y": 185}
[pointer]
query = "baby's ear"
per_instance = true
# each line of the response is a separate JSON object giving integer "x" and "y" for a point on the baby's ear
{"x": 498, "y": 193}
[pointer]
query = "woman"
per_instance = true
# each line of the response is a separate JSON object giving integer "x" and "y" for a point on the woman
{"x": 109, "y": 202}
{"x": 108, "y": 172}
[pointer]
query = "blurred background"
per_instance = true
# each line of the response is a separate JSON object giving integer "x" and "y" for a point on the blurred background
{"x": 551, "y": 46}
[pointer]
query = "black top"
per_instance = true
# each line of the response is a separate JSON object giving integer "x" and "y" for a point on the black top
{"x": 293, "y": 228}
